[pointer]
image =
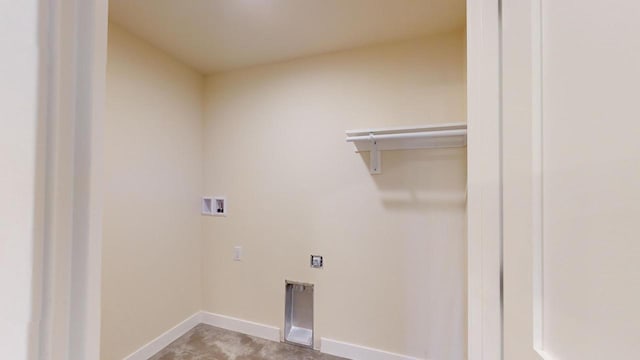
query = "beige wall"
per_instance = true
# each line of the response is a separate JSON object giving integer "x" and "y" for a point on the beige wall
{"x": 153, "y": 181}
{"x": 394, "y": 244}
{"x": 19, "y": 100}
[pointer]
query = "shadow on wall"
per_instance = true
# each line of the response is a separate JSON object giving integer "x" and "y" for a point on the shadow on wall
{"x": 423, "y": 193}
{"x": 421, "y": 179}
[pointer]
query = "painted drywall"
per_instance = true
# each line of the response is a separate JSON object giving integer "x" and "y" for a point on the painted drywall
{"x": 215, "y": 36}
{"x": 153, "y": 181}
{"x": 590, "y": 180}
{"x": 394, "y": 244}
{"x": 19, "y": 111}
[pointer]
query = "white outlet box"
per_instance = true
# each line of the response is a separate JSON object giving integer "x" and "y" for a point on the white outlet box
{"x": 214, "y": 206}
{"x": 207, "y": 206}
{"x": 317, "y": 261}
{"x": 237, "y": 253}
{"x": 220, "y": 206}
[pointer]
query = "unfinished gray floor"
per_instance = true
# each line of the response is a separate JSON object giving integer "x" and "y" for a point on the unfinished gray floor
{"x": 205, "y": 342}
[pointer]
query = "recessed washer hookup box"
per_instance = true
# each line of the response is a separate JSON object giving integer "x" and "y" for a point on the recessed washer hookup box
{"x": 298, "y": 314}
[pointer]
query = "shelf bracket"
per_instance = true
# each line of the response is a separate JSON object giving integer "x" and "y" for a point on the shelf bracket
{"x": 375, "y": 161}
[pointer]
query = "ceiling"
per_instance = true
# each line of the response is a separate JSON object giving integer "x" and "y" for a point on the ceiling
{"x": 219, "y": 35}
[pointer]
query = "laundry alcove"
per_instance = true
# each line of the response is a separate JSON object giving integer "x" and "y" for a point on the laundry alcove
{"x": 218, "y": 103}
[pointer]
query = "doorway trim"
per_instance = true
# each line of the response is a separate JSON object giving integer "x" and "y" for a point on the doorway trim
{"x": 537, "y": 202}
{"x": 75, "y": 82}
{"x": 484, "y": 180}
{"x": 67, "y": 292}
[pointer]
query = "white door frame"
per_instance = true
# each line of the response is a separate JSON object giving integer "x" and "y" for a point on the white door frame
{"x": 536, "y": 173}
{"x": 71, "y": 248}
{"x": 73, "y": 47}
{"x": 484, "y": 180}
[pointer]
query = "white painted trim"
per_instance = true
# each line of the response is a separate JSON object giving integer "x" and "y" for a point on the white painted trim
{"x": 536, "y": 173}
{"x": 537, "y": 180}
{"x": 89, "y": 96}
{"x": 74, "y": 88}
{"x": 537, "y": 202}
{"x": 267, "y": 332}
{"x": 484, "y": 180}
{"x": 543, "y": 355}
{"x": 159, "y": 343}
{"x": 357, "y": 352}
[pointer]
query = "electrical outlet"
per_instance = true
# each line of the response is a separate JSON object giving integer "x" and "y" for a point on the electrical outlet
{"x": 237, "y": 253}
{"x": 317, "y": 261}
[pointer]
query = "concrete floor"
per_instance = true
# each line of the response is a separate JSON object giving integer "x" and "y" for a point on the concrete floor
{"x": 205, "y": 342}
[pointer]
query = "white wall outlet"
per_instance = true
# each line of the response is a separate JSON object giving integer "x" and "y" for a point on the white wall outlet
{"x": 237, "y": 253}
{"x": 207, "y": 206}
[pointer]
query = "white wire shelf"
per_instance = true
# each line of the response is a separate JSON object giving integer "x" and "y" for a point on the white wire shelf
{"x": 406, "y": 138}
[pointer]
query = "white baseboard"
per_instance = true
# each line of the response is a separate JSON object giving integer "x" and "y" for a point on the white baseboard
{"x": 357, "y": 352}
{"x": 327, "y": 346}
{"x": 242, "y": 326}
{"x": 165, "y": 339}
